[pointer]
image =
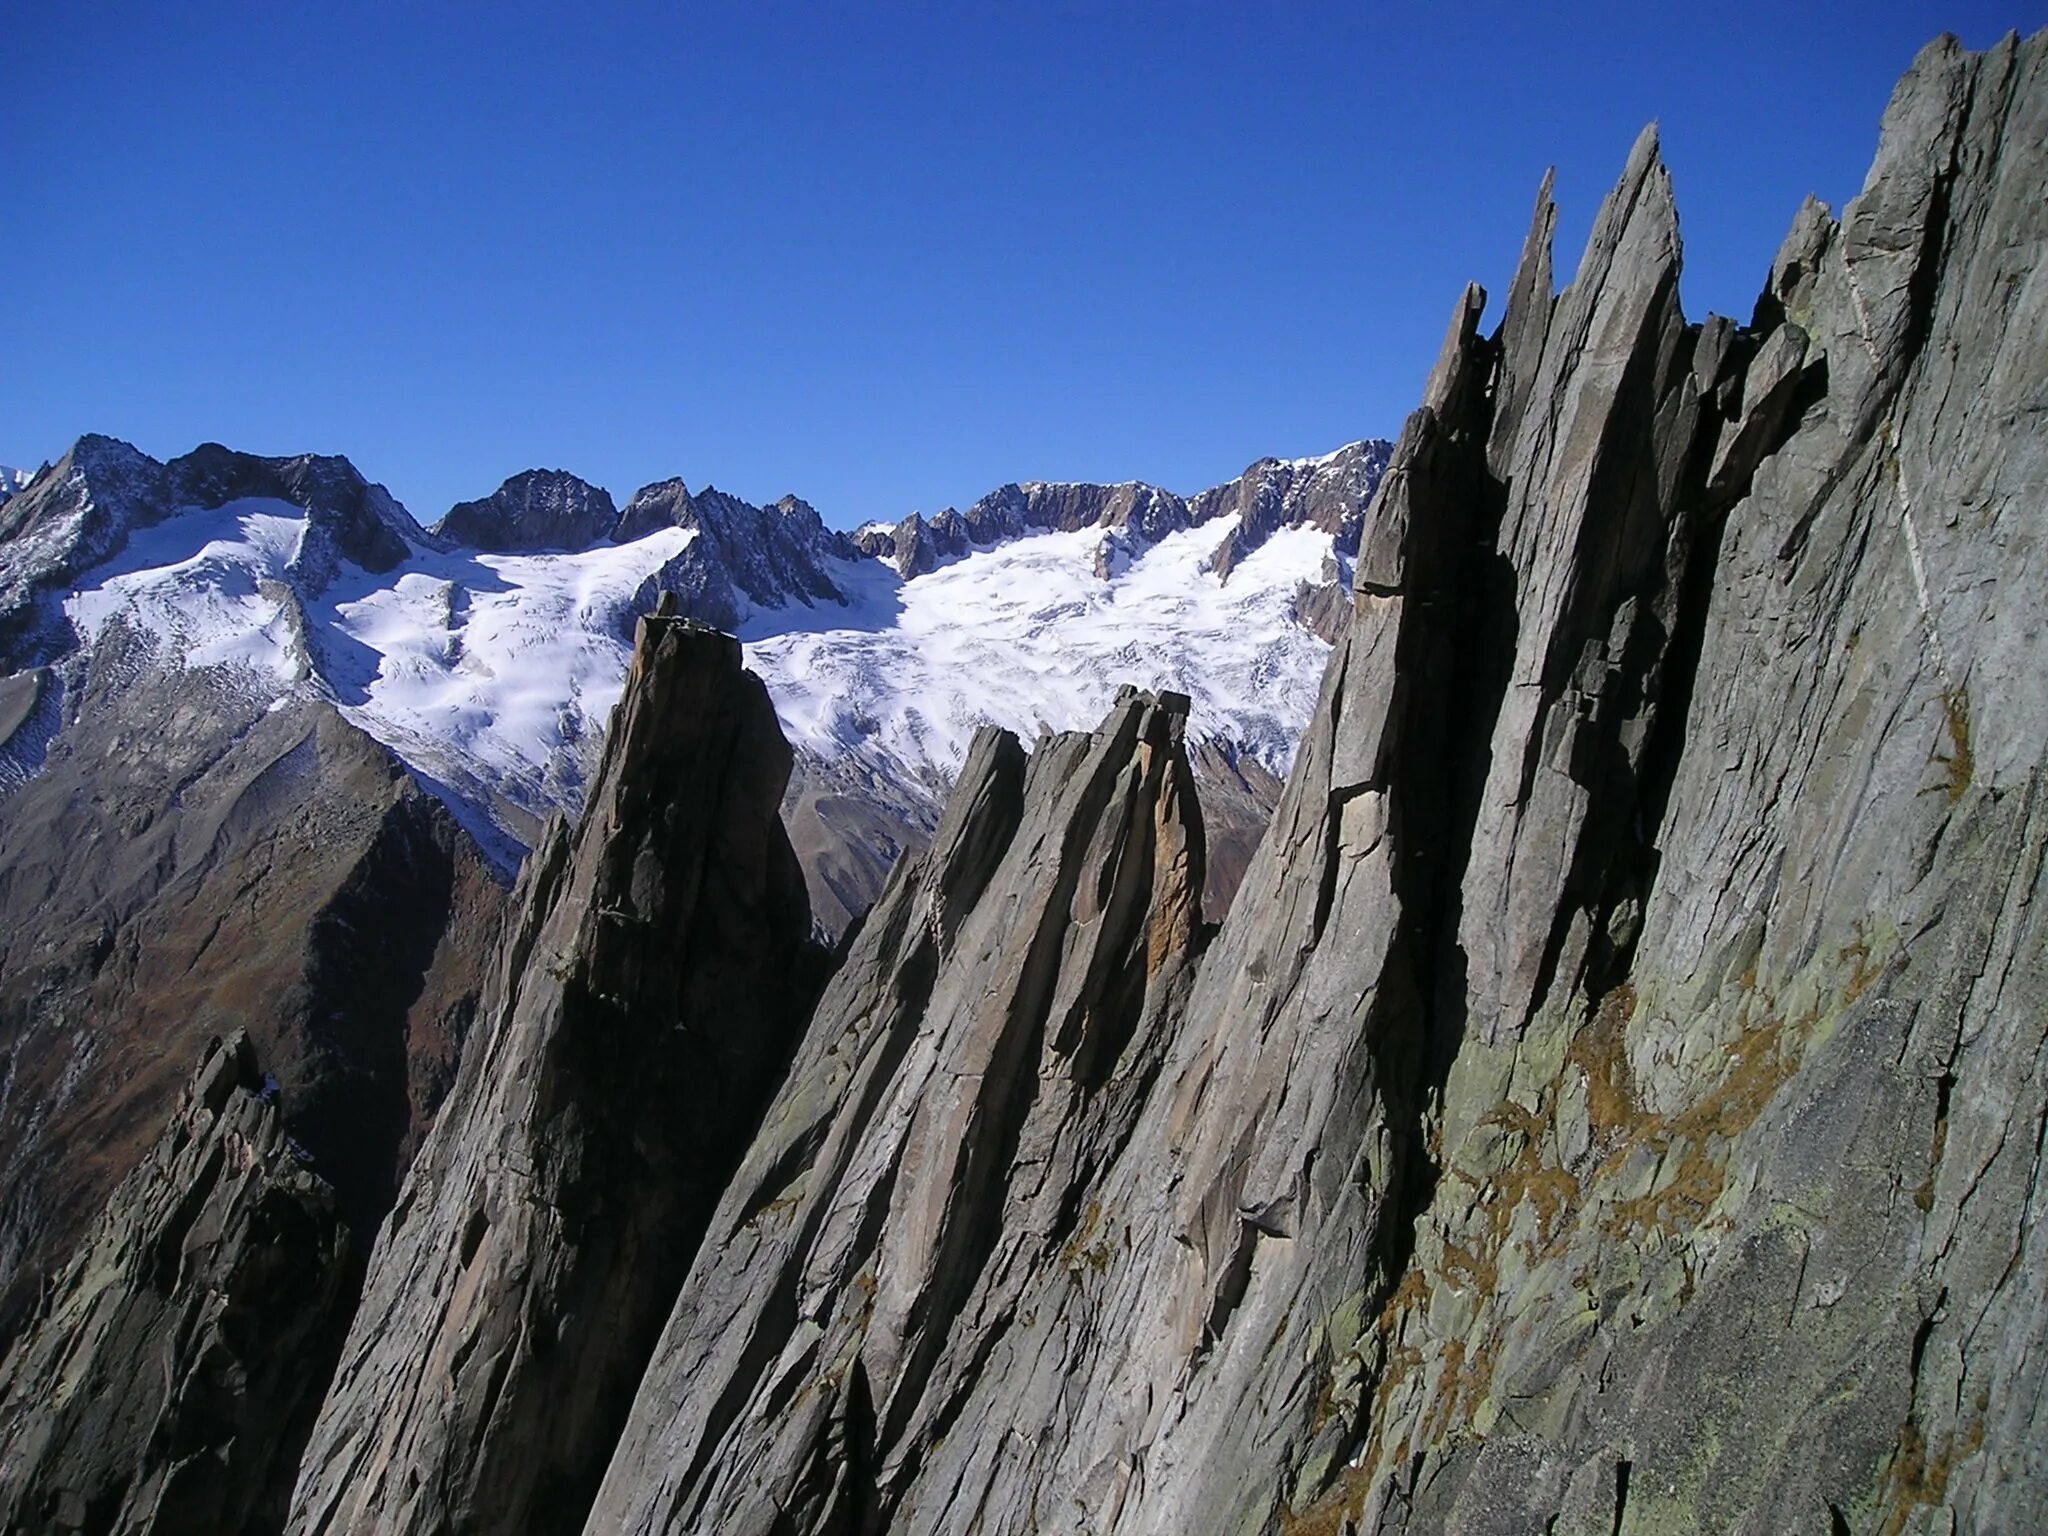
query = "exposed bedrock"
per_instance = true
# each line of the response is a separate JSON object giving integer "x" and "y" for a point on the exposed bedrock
{"x": 978, "y": 1062}
{"x": 654, "y": 971}
{"x": 155, "y": 1388}
{"x": 1614, "y": 1100}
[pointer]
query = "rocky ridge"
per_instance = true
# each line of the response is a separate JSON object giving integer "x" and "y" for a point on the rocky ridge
{"x": 189, "y": 860}
{"x": 486, "y": 653}
{"x": 1328, "y": 493}
{"x": 978, "y": 1060}
{"x": 652, "y": 977}
{"x": 540, "y": 509}
{"x": 1612, "y": 1105}
{"x": 156, "y": 1388}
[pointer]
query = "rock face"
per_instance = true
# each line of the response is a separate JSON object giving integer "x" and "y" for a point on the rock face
{"x": 645, "y": 998}
{"x": 850, "y": 824}
{"x": 1612, "y": 1104}
{"x": 740, "y": 556}
{"x": 541, "y": 509}
{"x": 979, "y": 1058}
{"x": 155, "y": 1388}
{"x": 1238, "y": 794}
{"x": 1330, "y": 493}
{"x": 1741, "y": 1160}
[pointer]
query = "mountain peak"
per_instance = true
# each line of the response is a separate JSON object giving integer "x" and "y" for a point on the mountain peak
{"x": 536, "y": 509}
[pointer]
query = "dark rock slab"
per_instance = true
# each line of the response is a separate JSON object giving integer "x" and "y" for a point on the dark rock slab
{"x": 539, "y": 509}
{"x": 157, "y": 1384}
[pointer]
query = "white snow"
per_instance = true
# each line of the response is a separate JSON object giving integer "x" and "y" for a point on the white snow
{"x": 1321, "y": 459}
{"x": 1026, "y": 635}
{"x": 494, "y": 675}
{"x": 501, "y": 665}
{"x": 192, "y": 582}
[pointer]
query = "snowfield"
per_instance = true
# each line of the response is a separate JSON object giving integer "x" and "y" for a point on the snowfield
{"x": 1028, "y": 636}
{"x": 494, "y": 675}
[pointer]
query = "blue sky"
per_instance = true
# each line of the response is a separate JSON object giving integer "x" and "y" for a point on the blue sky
{"x": 884, "y": 256}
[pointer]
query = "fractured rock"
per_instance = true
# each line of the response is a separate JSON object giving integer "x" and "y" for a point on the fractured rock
{"x": 641, "y": 1011}
{"x": 154, "y": 1388}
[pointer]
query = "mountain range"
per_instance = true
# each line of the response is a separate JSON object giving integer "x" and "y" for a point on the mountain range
{"x": 260, "y": 730}
{"x": 486, "y": 652}
{"x": 1611, "y": 1101}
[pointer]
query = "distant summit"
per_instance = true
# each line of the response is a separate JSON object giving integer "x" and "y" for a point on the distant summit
{"x": 487, "y": 651}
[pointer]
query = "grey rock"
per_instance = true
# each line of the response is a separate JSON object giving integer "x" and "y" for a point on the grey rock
{"x": 641, "y": 1012}
{"x": 1237, "y": 796}
{"x": 1698, "y": 1258}
{"x": 849, "y": 825}
{"x": 1612, "y": 1103}
{"x": 156, "y": 1387}
{"x": 979, "y": 1057}
{"x": 742, "y": 555}
{"x": 1330, "y": 493}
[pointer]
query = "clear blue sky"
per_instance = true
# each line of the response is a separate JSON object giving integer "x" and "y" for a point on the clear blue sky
{"x": 884, "y": 256}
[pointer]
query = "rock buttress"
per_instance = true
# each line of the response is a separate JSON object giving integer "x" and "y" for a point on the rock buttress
{"x": 1737, "y": 1223}
{"x": 647, "y": 995}
{"x": 154, "y": 1386}
{"x": 977, "y": 1062}
{"x": 1615, "y": 1097}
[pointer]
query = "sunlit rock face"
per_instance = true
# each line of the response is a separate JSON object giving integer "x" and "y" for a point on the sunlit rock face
{"x": 1612, "y": 1102}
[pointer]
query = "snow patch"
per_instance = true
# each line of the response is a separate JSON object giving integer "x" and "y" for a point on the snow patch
{"x": 1028, "y": 636}
{"x": 207, "y": 586}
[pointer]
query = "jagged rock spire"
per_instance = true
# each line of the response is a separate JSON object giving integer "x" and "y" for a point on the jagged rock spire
{"x": 975, "y": 1064}
{"x": 1613, "y": 1097}
{"x": 655, "y": 970}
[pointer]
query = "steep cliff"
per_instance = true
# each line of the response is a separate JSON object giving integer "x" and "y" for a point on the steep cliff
{"x": 1615, "y": 1100}
{"x": 976, "y": 1063}
{"x": 646, "y": 993}
{"x": 1736, "y": 1225}
{"x": 1613, "y": 1103}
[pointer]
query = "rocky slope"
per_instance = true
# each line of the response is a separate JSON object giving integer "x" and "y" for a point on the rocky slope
{"x": 1612, "y": 1105}
{"x": 155, "y": 1388}
{"x": 979, "y": 1059}
{"x": 193, "y": 842}
{"x": 189, "y": 859}
{"x": 215, "y": 661}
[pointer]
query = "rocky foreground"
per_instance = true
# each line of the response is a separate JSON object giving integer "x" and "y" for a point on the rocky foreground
{"x": 1614, "y": 1101}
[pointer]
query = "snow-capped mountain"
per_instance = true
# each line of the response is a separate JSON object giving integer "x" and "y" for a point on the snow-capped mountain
{"x": 487, "y": 653}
